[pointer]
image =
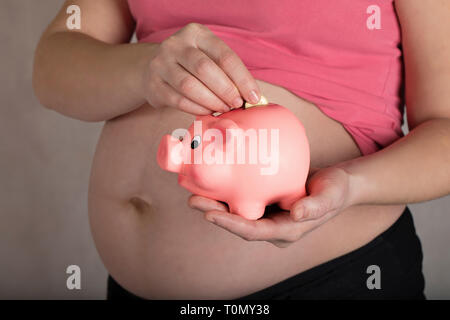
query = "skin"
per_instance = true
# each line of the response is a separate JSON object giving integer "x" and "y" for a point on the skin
{"x": 139, "y": 89}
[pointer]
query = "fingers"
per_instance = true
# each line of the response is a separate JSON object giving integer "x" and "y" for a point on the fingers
{"x": 202, "y": 68}
{"x": 328, "y": 192}
{"x": 250, "y": 230}
{"x": 311, "y": 208}
{"x": 277, "y": 228}
{"x": 193, "y": 89}
{"x": 317, "y": 204}
{"x": 206, "y": 204}
{"x": 167, "y": 96}
{"x": 207, "y": 71}
{"x": 231, "y": 64}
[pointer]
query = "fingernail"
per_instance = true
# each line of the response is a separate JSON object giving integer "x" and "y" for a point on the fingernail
{"x": 298, "y": 214}
{"x": 254, "y": 98}
{"x": 238, "y": 102}
{"x": 210, "y": 219}
{"x": 226, "y": 108}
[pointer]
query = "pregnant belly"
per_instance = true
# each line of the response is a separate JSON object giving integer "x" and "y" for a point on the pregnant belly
{"x": 155, "y": 246}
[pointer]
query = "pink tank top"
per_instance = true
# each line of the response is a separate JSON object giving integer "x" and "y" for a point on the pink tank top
{"x": 344, "y": 56}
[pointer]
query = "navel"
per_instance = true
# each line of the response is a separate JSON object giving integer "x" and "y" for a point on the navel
{"x": 140, "y": 205}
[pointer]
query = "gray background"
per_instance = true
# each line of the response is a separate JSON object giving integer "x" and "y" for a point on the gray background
{"x": 45, "y": 161}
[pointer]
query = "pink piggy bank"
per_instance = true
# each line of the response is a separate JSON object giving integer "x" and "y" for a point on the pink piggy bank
{"x": 248, "y": 158}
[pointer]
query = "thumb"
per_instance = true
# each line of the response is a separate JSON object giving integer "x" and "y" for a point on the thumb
{"x": 311, "y": 207}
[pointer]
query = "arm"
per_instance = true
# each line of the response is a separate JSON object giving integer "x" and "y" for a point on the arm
{"x": 415, "y": 168}
{"x": 94, "y": 74}
{"x": 89, "y": 74}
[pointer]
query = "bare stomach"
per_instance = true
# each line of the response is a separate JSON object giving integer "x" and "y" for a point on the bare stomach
{"x": 155, "y": 246}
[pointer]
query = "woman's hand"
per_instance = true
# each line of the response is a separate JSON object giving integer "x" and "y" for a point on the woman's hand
{"x": 195, "y": 71}
{"x": 328, "y": 194}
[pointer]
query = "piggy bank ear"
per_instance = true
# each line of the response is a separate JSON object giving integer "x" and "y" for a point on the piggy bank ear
{"x": 226, "y": 125}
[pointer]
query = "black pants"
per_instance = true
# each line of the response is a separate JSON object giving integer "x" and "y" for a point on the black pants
{"x": 395, "y": 257}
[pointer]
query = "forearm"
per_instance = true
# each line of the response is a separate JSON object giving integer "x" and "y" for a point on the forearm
{"x": 413, "y": 169}
{"x": 87, "y": 79}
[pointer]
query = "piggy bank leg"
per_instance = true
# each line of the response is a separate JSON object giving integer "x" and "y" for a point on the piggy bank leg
{"x": 248, "y": 210}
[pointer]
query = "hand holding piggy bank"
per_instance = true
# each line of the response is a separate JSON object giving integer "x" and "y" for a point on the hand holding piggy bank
{"x": 248, "y": 158}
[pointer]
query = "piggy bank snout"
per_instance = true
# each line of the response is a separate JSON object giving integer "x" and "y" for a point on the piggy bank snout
{"x": 169, "y": 154}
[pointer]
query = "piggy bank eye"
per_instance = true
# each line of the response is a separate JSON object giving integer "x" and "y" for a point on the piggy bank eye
{"x": 195, "y": 142}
